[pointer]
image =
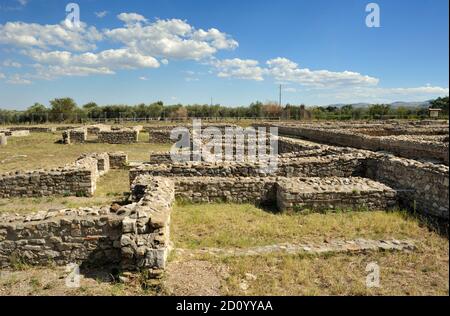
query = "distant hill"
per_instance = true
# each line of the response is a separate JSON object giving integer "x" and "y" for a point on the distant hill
{"x": 424, "y": 104}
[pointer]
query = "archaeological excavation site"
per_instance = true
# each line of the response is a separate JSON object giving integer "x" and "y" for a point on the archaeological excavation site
{"x": 112, "y": 200}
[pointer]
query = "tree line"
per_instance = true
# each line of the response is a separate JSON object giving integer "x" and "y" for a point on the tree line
{"x": 66, "y": 110}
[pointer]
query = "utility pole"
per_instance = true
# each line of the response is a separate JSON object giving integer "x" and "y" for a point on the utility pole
{"x": 279, "y": 103}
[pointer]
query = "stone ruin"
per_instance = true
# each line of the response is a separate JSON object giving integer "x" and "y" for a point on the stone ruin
{"x": 102, "y": 134}
{"x": 323, "y": 171}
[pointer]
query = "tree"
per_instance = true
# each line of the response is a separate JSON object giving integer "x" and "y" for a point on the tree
{"x": 272, "y": 110}
{"x": 377, "y": 111}
{"x": 180, "y": 114}
{"x": 63, "y": 109}
{"x": 37, "y": 113}
{"x": 440, "y": 103}
{"x": 256, "y": 109}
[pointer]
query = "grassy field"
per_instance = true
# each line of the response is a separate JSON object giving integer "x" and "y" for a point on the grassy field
{"x": 421, "y": 272}
{"x": 40, "y": 150}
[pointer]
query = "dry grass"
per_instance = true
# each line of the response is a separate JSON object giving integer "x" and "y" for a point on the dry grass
{"x": 234, "y": 225}
{"x": 40, "y": 150}
{"x": 422, "y": 272}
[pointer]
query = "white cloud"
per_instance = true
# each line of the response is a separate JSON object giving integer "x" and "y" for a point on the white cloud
{"x": 284, "y": 69}
{"x": 2, "y": 76}
{"x": 23, "y": 2}
{"x": 104, "y": 62}
{"x": 54, "y": 47}
{"x": 49, "y": 36}
{"x": 101, "y": 14}
{"x": 172, "y": 38}
{"x": 12, "y": 64}
{"x": 248, "y": 69}
{"x": 143, "y": 78}
{"x": 131, "y": 18}
{"x": 428, "y": 89}
{"x": 191, "y": 79}
{"x": 17, "y": 79}
{"x": 387, "y": 95}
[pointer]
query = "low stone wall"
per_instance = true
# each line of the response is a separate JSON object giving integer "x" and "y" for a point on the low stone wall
{"x": 297, "y": 194}
{"x": 344, "y": 165}
{"x": 103, "y": 163}
{"x": 135, "y": 236}
{"x": 76, "y": 179}
{"x": 405, "y": 146}
{"x": 125, "y": 136}
{"x": 160, "y": 136}
{"x": 19, "y": 133}
{"x": 75, "y": 136}
{"x": 289, "y": 194}
{"x": 95, "y": 129}
{"x": 33, "y": 129}
{"x": 118, "y": 160}
{"x": 253, "y": 190}
{"x": 423, "y": 187}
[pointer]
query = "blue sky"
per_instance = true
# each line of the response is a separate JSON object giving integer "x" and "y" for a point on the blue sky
{"x": 187, "y": 51}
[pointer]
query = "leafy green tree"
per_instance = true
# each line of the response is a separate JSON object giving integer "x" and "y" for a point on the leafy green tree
{"x": 63, "y": 109}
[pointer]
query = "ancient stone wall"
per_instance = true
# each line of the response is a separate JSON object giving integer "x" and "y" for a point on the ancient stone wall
{"x": 18, "y": 133}
{"x": 253, "y": 190}
{"x": 345, "y": 165}
{"x": 33, "y": 129}
{"x": 405, "y": 146}
{"x": 124, "y": 136}
{"x": 134, "y": 236}
{"x": 75, "y": 136}
{"x": 422, "y": 187}
{"x": 320, "y": 194}
{"x": 118, "y": 160}
{"x": 76, "y": 179}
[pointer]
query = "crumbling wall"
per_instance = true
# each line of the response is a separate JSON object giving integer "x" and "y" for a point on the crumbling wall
{"x": 133, "y": 237}
{"x": 405, "y": 146}
{"x": 344, "y": 165}
{"x": 77, "y": 179}
{"x": 124, "y": 136}
{"x": 118, "y": 160}
{"x": 326, "y": 194}
{"x": 75, "y": 136}
{"x": 253, "y": 190}
{"x": 423, "y": 187}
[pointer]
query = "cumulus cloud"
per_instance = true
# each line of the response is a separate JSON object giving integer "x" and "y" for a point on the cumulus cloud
{"x": 101, "y": 14}
{"x": 52, "y": 64}
{"x": 283, "y": 69}
{"x": 2, "y": 76}
{"x": 20, "y": 34}
{"x": 248, "y": 69}
{"x": 172, "y": 38}
{"x": 17, "y": 79}
{"x": 131, "y": 18}
{"x": 11, "y": 63}
{"x": 141, "y": 42}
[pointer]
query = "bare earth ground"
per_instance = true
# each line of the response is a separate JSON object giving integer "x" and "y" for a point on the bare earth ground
{"x": 424, "y": 271}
